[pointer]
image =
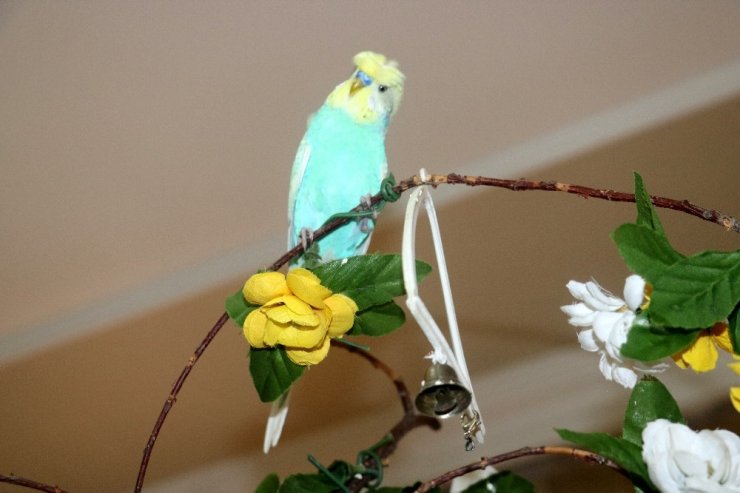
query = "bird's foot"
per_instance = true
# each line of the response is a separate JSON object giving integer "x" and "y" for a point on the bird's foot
{"x": 306, "y": 237}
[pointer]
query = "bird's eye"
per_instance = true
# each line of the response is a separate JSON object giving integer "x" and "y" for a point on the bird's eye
{"x": 382, "y": 88}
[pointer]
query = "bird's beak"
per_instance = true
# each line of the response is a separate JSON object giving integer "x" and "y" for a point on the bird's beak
{"x": 355, "y": 86}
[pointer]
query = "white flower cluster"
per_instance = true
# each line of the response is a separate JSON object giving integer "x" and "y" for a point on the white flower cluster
{"x": 681, "y": 460}
{"x": 608, "y": 320}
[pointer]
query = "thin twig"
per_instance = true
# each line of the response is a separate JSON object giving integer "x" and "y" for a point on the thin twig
{"x": 401, "y": 389}
{"x": 728, "y": 222}
{"x": 173, "y": 397}
{"x": 30, "y": 483}
{"x": 408, "y": 422}
{"x": 575, "y": 453}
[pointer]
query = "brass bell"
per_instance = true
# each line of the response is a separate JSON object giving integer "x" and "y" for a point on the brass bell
{"x": 442, "y": 395}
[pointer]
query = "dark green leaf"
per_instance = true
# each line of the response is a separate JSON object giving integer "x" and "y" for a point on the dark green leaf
{"x": 734, "y": 321}
{"x": 625, "y": 453}
{"x": 647, "y": 252}
{"x": 238, "y": 308}
{"x": 696, "y": 292}
{"x": 270, "y": 484}
{"x": 379, "y": 320}
{"x": 645, "y": 211}
{"x": 502, "y": 482}
{"x": 368, "y": 279}
{"x": 307, "y": 483}
{"x": 272, "y": 372}
{"x": 650, "y": 400}
{"x": 645, "y": 343}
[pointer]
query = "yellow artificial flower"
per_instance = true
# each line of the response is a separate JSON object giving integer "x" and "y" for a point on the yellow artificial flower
{"x": 735, "y": 391}
{"x": 296, "y": 312}
{"x": 343, "y": 309}
{"x": 702, "y": 355}
{"x": 262, "y": 287}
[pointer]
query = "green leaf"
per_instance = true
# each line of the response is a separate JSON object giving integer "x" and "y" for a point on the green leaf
{"x": 379, "y": 320}
{"x": 272, "y": 372}
{"x": 238, "y": 308}
{"x": 734, "y": 321}
{"x": 645, "y": 211}
{"x": 647, "y": 343}
{"x": 368, "y": 279}
{"x": 307, "y": 483}
{"x": 270, "y": 484}
{"x": 502, "y": 482}
{"x": 646, "y": 251}
{"x": 623, "y": 452}
{"x": 650, "y": 400}
{"x": 696, "y": 292}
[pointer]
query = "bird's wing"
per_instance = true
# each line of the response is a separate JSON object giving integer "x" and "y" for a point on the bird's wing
{"x": 276, "y": 421}
{"x": 296, "y": 177}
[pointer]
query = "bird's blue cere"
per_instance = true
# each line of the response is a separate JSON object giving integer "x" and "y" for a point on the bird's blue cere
{"x": 364, "y": 78}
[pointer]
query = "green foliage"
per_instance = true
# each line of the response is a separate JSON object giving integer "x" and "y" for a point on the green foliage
{"x": 370, "y": 280}
{"x": 270, "y": 484}
{"x": 238, "y": 308}
{"x": 501, "y": 482}
{"x": 646, "y": 214}
{"x": 623, "y": 452}
{"x": 645, "y": 251}
{"x": 689, "y": 293}
{"x": 378, "y": 320}
{"x": 272, "y": 372}
{"x": 650, "y": 400}
{"x": 697, "y": 291}
{"x": 647, "y": 343}
{"x": 307, "y": 483}
{"x": 734, "y": 322}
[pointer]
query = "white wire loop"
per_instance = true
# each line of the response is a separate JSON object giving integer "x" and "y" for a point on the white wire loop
{"x": 441, "y": 350}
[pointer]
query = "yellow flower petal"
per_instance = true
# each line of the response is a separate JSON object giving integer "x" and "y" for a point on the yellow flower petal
{"x": 301, "y": 338}
{"x": 735, "y": 367}
{"x": 284, "y": 315}
{"x": 735, "y": 398}
{"x": 343, "y": 309}
{"x": 700, "y": 356}
{"x": 262, "y": 287}
{"x": 307, "y": 286}
{"x": 272, "y": 332}
{"x": 254, "y": 328}
{"x": 311, "y": 356}
{"x": 721, "y": 336}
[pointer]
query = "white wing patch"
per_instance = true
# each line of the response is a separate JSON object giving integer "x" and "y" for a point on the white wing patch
{"x": 296, "y": 177}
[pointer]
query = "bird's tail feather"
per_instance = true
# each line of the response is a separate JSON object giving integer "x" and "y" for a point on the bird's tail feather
{"x": 276, "y": 421}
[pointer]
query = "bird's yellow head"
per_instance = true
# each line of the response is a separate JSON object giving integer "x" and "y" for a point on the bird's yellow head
{"x": 374, "y": 91}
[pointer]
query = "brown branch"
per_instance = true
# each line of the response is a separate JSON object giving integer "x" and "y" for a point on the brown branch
{"x": 401, "y": 389}
{"x": 578, "y": 454}
{"x": 408, "y": 422}
{"x": 172, "y": 398}
{"x": 728, "y": 222}
{"x": 30, "y": 483}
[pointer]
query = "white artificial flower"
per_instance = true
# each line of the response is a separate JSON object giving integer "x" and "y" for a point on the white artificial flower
{"x": 609, "y": 320}
{"x": 680, "y": 460}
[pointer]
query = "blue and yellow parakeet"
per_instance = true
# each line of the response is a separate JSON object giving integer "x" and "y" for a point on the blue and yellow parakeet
{"x": 342, "y": 155}
{"x": 340, "y": 160}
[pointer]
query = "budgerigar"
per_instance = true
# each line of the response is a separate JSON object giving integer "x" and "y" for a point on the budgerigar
{"x": 340, "y": 160}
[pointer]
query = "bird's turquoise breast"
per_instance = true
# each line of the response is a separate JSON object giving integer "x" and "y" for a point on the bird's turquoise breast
{"x": 347, "y": 161}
